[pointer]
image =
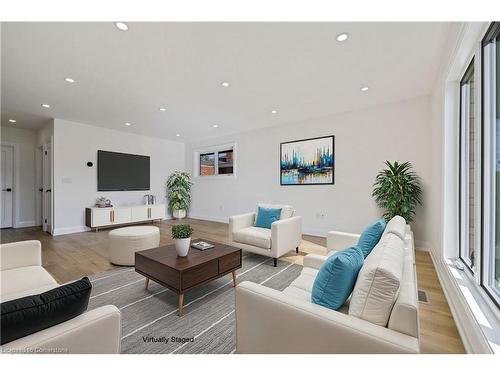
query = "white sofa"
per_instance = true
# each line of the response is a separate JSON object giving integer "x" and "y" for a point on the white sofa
{"x": 22, "y": 274}
{"x": 285, "y": 234}
{"x": 271, "y": 321}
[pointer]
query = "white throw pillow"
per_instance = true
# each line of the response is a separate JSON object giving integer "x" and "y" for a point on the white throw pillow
{"x": 397, "y": 226}
{"x": 378, "y": 282}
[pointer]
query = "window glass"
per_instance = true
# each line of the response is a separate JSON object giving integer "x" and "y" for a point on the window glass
{"x": 207, "y": 164}
{"x": 225, "y": 162}
{"x": 495, "y": 256}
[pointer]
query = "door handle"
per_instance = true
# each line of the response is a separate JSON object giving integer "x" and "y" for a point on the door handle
{"x": 48, "y": 190}
{"x": 8, "y": 189}
{"x": 40, "y": 190}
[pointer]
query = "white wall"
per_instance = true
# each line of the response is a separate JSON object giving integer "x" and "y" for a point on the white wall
{"x": 363, "y": 141}
{"x": 75, "y": 184}
{"x": 24, "y": 195}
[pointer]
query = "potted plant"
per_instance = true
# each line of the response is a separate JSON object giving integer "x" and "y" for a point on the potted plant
{"x": 397, "y": 191}
{"x": 182, "y": 238}
{"x": 179, "y": 193}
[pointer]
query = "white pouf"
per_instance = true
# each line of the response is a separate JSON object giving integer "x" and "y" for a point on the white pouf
{"x": 124, "y": 242}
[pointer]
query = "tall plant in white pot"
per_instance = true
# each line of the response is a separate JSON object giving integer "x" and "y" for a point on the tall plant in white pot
{"x": 179, "y": 193}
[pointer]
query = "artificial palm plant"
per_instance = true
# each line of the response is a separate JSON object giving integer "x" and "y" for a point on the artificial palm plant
{"x": 179, "y": 191}
{"x": 397, "y": 191}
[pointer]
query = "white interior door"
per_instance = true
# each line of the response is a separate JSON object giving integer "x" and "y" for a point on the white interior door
{"x": 47, "y": 188}
{"x": 7, "y": 183}
{"x": 39, "y": 186}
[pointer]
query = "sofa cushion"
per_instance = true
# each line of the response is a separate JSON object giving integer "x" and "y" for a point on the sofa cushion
{"x": 267, "y": 216}
{"x": 25, "y": 281}
{"x": 397, "y": 226}
{"x": 255, "y": 236}
{"x": 371, "y": 236}
{"x": 286, "y": 211}
{"x": 378, "y": 281}
{"x": 336, "y": 278}
{"x": 24, "y": 316}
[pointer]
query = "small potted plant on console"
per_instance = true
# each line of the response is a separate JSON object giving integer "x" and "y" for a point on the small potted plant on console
{"x": 182, "y": 238}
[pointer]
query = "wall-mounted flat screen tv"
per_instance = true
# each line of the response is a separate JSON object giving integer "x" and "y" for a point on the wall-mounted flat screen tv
{"x": 122, "y": 172}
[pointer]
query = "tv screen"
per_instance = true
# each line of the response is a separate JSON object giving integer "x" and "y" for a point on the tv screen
{"x": 121, "y": 172}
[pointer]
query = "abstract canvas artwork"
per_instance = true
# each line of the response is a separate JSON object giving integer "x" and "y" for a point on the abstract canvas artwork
{"x": 307, "y": 161}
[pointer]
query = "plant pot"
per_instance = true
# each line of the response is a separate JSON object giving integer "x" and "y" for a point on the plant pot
{"x": 179, "y": 214}
{"x": 182, "y": 246}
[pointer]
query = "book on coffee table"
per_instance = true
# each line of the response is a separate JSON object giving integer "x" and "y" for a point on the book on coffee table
{"x": 201, "y": 245}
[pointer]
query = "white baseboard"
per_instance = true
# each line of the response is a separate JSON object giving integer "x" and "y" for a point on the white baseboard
{"x": 25, "y": 224}
{"x": 69, "y": 230}
{"x": 471, "y": 334}
{"x": 218, "y": 219}
{"x": 422, "y": 246}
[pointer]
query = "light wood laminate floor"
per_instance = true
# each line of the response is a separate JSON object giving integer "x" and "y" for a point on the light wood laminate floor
{"x": 73, "y": 256}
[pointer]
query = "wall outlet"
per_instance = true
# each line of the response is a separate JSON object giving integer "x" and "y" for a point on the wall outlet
{"x": 321, "y": 215}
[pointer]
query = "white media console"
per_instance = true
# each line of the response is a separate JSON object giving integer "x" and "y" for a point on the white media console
{"x": 96, "y": 217}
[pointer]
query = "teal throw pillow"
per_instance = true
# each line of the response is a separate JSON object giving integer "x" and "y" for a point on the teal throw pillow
{"x": 371, "y": 236}
{"x": 336, "y": 278}
{"x": 266, "y": 216}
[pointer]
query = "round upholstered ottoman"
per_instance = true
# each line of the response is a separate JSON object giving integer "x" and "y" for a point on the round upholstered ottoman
{"x": 124, "y": 242}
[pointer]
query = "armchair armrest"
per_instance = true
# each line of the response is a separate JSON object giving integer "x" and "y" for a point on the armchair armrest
{"x": 93, "y": 332}
{"x": 238, "y": 222}
{"x": 20, "y": 254}
{"x": 269, "y": 321}
{"x": 314, "y": 261}
{"x": 286, "y": 235}
{"x": 340, "y": 240}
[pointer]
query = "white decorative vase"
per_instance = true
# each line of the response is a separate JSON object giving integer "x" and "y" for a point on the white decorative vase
{"x": 179, "y": 214}
{"x": 182, "y": 246}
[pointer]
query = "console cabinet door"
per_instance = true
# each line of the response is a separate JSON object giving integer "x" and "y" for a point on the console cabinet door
{"x": 101, "y": 216}
{"x": 157, "y": 211}
{"x": 121, "y": 215}
{"x": 139, "y": 213}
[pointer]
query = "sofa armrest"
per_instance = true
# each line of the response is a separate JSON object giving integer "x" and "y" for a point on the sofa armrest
{"x": 20, "y": 254}
{"x": 340, "y": 240}
{"x": 238, "y": 222}
{"x": 314, "y": 261}
{"x": 93, "y": 332}
{"x": 269, "y": 321}
{"x": 286, "y": 235}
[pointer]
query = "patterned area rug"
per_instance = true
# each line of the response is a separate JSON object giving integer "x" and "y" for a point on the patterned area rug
{"x": 150, "y": 323}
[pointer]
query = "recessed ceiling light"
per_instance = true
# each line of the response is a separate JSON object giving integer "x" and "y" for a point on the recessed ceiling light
{"x": 163, "y": 109}
{"x": 225, "y": 84}
{"x": 177, "y": 135}
{"x": 365, "y": 88}
{"x": 12, "y": 120}
{"x": 122, "y": 26}
{"x": 342, "y": 37}
{"x": 215, "y": 126}
{"x": 70, "y": 80}
{"x": 127, "y": 124}
{"x": 46, "y": 105}
{"x": 274, "y": 111}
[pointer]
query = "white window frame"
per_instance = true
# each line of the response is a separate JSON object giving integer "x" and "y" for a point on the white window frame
{"x": 489, "y": 167}
{"x": 215, "y": 149}
{"x": 465, "y": 176}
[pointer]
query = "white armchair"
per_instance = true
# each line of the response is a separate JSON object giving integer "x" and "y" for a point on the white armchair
{"x": 285, "y": 234}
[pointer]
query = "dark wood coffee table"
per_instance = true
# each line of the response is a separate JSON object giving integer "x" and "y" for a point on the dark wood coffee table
{"x": 181, "y": 274}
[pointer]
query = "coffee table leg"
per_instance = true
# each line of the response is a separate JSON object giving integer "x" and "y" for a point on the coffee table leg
{"x": 146, "y": 284}
{"x": 181, "y": 304}
{"x": 234, "y": 278}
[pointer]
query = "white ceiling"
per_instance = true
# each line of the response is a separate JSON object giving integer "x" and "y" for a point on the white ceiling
{"x": 298, "y": 69}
